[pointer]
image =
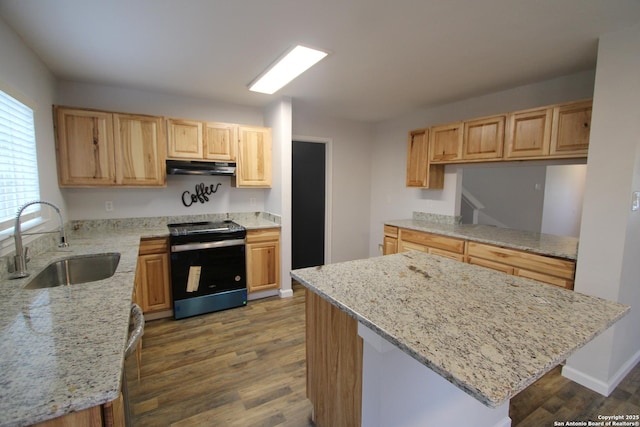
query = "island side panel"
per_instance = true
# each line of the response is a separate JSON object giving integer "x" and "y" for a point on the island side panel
{"x": 334, "y": 364}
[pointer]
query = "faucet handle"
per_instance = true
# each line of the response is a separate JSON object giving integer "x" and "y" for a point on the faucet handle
{"x": 26, "y": 255}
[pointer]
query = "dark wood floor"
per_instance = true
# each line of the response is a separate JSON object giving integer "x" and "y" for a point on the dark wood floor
{"x": 246, "y": 367}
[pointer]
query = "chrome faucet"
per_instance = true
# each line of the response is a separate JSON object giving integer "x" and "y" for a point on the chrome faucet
{"x": 20, "y": 259}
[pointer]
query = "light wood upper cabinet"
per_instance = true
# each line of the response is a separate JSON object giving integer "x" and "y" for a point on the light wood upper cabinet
{"x": 248, "y": 146}
{"x": 253, "y": 167}
{"x": 420, "y": 172}
{"x": 185, "y": 139}
{"x": 220, "y": 141}
{"x": 263, "y": 260}
{"x": 99, "y": 148}
{"x": 139, "y": 149}
{"x": 445, "y": 143}
{"x": 417, "y": 157}
{"x": 483, "y": 138}
{"x": 555, "y": 131}
{"x": 196, "y": 140}
{"x": 571, "y": 129}
{"x": 529, "y": 134}
{"x": 85, "y": 149}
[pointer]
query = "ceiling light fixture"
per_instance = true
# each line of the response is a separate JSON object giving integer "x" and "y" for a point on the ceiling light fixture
{"x": 293, "y": 63}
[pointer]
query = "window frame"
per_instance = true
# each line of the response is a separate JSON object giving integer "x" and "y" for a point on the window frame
{"x": 34, "y": 218}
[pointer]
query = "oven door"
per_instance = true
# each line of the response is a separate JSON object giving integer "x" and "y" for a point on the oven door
{"x": 207, "y": 274}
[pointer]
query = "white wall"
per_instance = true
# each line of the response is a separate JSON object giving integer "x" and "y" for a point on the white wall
{"x": 609, "y": 253}
{"x": 22, "y": 74}
{"x": 390, "y": 199}
{"x": 278, "y": 117}
{"x": 351, "y": 170}
{"x": 89, "y": 203}
{"x": 563, "y": 196}
{"x": 513, "y": 194}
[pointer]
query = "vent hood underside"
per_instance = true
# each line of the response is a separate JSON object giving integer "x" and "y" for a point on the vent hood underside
{"x": 191, "y": 167}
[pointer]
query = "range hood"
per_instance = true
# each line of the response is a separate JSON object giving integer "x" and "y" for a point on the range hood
{"x": 191, "y": 167}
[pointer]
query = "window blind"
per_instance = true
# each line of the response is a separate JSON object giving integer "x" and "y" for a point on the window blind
{"x": 18, "y": 163}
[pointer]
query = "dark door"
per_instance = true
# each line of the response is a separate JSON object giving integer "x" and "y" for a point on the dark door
{"x": 308, "y": 204}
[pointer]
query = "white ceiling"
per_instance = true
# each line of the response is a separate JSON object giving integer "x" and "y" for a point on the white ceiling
{"x": 388, "y": 57}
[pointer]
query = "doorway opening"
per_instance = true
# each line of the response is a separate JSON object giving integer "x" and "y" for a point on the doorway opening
{"x": 309, "y": 207}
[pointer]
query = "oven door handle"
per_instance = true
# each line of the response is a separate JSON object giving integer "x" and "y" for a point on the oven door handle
{"x": 207, "y": 245}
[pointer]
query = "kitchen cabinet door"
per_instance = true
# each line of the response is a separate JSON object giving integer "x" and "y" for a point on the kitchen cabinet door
{"x": 263, "y": 260}
{"x": 253, "y": 167}
{"x": 420, "y": 172}
{"x": 445, "y": 143}
{"x": 185, "y": 139}
{"x": 220, "y": 141}
{"x": 153, "y": 284}
{"x": 529, "y": 134}
{"x": 140, "y": 150}
{"x": 390, "y": 242}
{"x": 571, "y": 129}
{"x": 554, "y": 271}
{"x": 85, "y": 148}
{"x": 483, "y": 138}
{"x": 417, "y": 158}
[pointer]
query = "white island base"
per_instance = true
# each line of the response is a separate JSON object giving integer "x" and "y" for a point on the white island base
{"x": 399, "y": 391}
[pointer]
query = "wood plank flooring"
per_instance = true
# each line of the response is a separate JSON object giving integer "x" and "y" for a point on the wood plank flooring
{"x": 246, "y": 367}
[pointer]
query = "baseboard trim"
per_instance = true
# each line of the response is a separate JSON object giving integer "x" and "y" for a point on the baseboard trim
{"x": 262, "y": 294}
{"x": 599, "y": 386}
{"x": 286, "y": 293}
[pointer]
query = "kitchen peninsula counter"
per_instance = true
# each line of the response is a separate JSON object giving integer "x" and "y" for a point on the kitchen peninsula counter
{"x": 489, "y": 334}
{"x": 63, "y": 348}
{"x": 539, "y": 243}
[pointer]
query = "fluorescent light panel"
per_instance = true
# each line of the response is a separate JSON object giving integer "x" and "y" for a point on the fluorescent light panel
{"x": 295, "y": 62}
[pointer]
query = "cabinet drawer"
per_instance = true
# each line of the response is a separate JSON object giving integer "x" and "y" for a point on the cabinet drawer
{"x": 404, "y": 246}
{"x": 390, "y": 245}
{"x": 491, "y": 264}
{"x": 532, "y": 262}
{"x": 154, "y": 246}
{"x": 263, "y": 235}
{"x": 433, "y": 240}
{"x": 446, "y": 254}
{"x": 551, "y": 280}
{"x": 391, "y": 231}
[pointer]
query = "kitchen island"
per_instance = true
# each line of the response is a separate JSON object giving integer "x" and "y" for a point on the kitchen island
{"x": 444, "y": 341}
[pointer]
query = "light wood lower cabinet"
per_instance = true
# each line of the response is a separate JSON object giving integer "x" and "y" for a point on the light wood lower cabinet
{"x": 554, "y": 271}
{"x": 431, "y": 243}
{"x": 334, "y": 364}
{"x": 263, "y": 260}
{"x": 547, "y": 269}
{"x": 152, "y": 283}
{"x": 111, "y": 414}
{"x": 390, "y": 240}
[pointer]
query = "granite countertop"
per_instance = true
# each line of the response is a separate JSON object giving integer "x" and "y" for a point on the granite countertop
{"x": 489, "y": 333}
{"x": 63, "y": 348}
{"x": 540, "y": 243}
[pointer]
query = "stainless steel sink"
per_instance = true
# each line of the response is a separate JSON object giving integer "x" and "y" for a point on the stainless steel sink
{"x": 76, "y": 269}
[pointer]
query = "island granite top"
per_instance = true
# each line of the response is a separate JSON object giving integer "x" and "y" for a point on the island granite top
{"x": 540, "y": 243}
{"x": 489, "y": 333}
